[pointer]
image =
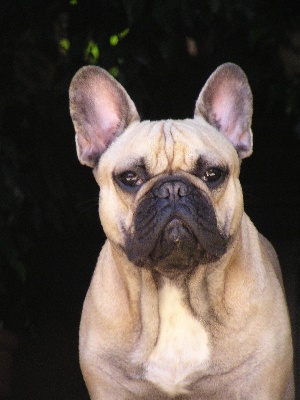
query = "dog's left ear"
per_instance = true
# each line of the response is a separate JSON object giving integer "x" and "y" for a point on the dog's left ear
{"x": 225, "y": 102}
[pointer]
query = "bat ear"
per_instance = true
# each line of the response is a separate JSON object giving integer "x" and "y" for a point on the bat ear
{"x": 100, "y": 109}
{"x": 225, "y": 102}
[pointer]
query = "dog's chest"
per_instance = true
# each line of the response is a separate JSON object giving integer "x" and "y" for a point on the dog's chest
{"x": 182, "y": 347}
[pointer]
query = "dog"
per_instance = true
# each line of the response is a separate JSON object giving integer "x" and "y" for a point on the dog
{"x": 186, "y": 300}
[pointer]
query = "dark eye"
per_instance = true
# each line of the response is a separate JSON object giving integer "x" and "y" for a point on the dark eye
{"x": 130, "y": 179}
{"x": 213, "y": 176}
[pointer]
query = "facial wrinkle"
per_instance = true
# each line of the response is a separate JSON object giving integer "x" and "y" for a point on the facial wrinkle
{"x": 169, "y": 141}
{"x": 156, "y": 161}
{"x": 185, "y": 156}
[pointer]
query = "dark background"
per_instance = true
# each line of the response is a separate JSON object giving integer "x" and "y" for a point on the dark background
{"x": 162, "y": 52}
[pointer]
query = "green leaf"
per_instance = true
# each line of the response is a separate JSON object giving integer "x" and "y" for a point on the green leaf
{"x": 114, "y": 71}
{"x": 124, "y": 33}
{"x": 114, "y": 40}
{"x": 64, "y": 44}
{"x": 92, "y": 52}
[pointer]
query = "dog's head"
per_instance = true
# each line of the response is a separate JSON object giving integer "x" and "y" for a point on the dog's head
{"x": 170, "y": 195}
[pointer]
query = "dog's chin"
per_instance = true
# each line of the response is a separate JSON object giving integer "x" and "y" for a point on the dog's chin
{"x": 175, "y": 248}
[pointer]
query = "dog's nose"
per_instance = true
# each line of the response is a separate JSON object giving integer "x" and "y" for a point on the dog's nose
{"x": 173, "y": 190}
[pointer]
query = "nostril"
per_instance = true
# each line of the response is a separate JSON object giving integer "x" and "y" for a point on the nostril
{"x": 172, "y": 190}
{"x": 181, "y": 189}
{"x": 164, "y": 191}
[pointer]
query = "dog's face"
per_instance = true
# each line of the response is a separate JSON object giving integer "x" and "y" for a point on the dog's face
{"x": 170, "y": 193}
{"x": 169, "y": 190}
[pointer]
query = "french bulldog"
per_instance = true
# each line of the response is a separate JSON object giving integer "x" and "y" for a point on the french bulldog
{"x": 186, "y": 301}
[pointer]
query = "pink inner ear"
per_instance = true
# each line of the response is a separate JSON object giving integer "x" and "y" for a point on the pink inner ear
{"x": 231, "y": 116}
{"x": 107, "y": 116}
{"x": 224, "y": 109}
{"x": 97, "y": 123}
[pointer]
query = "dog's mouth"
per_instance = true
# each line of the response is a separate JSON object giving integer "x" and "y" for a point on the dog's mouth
{"x": 176, "y": 245}
{"x": 175, "y": 228}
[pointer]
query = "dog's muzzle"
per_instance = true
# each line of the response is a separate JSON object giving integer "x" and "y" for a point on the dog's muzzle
{"x": 175, "y": 227}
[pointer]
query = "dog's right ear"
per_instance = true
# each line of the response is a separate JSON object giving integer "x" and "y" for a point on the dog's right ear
{"x": 100, "y": 109}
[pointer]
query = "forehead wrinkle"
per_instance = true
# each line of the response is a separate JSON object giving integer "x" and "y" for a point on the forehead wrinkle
{"x": 162, "y": 141}
{"x": 169, "y": 147}
{"x": 157, "y": 161}
{"x": 182, "y": 154}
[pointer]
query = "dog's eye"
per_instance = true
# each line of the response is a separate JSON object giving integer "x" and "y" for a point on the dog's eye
{"x": 130, "y": 179}
{"x": 213, "y": 176}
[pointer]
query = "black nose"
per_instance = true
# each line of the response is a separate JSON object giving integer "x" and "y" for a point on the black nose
{"x": 172, "y": 190}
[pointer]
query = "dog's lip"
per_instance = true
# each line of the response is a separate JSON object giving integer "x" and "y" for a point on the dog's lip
{"x": 174, "y": 229}
{"x": 175, "y": 244}
{"x": 174, "y": 223}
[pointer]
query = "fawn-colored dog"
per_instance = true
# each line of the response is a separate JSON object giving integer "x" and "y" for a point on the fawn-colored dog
{"x": 186, "y": 301}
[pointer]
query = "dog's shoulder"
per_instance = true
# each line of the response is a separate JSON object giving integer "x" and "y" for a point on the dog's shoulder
{"x": 268, "y": 249}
